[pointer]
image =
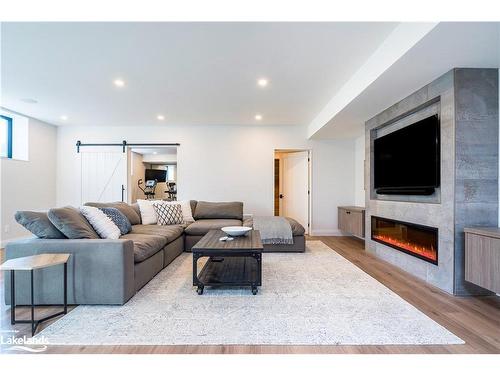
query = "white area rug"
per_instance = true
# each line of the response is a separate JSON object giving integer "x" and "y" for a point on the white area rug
{"x": 314, "y": 298}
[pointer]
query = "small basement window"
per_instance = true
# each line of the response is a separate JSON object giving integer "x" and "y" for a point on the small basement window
{"x": 5, "y": 137}
{"x": 14, "y": 134}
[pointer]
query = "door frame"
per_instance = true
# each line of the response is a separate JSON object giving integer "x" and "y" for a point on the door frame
{"x": 309, "y": 180}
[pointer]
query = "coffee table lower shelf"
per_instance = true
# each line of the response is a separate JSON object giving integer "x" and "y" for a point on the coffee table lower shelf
{"x": 233, "y": 271}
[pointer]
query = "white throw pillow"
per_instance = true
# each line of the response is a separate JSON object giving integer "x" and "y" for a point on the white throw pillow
{"x": 187, "y": 214}
{"x": 101, "y": 223}
{"x": 148, "y": 213}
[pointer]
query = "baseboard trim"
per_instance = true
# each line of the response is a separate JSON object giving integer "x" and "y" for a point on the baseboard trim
{"x": 326, "y": 232}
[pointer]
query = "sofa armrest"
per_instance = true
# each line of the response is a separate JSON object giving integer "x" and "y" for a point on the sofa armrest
{"x": 247, "y": 221}
{"x": 99, "y": 271}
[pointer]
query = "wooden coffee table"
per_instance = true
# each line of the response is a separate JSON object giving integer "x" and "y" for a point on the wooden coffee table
{"x": 236, "y": 263}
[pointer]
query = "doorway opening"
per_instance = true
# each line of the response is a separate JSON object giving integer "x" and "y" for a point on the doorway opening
{"x": 292, "y": 185}
{"x": 152, "y": 173}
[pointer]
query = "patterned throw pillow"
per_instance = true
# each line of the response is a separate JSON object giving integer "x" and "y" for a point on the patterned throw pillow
{"x": 118, "y": 218}
{"x": 168, "y": 213}
{"x": 102, "y": 224}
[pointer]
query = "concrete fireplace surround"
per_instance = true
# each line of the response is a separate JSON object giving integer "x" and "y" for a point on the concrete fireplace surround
{"x": 466, "y": 101}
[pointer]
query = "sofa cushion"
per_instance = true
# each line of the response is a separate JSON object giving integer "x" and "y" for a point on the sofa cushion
{"x": 248, "y": 221}
{"x": 145, "y": 245}
{"x": 135, "y": 207}
{"x": 297, "y": 228}
{"x": 218, "y": 210}
{"x": 71, "y": 223}
{"x": 170, "y": 232}
{"x": 201, "y": 227}
{"x": 123, "y": 207}
{"x": 192, "y": 203}
{"x": 39, "y": 224}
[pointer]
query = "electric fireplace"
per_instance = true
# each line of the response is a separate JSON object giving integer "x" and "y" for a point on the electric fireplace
{"x": 418, "y": 240}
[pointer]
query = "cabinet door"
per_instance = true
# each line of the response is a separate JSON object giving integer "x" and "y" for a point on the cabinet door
{"x": 356, "y": 223}
{"x": 352, "y": 222}
{"x": 342, "y": 220}
{"x": 482, "y": 261}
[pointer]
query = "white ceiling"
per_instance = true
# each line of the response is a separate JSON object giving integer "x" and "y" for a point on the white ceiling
{"x": 447, "y": 46}
{"x": 192, "y": 73}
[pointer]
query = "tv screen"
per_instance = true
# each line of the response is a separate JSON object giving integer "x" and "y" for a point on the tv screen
{"x": 409, "y": 158}
{"x": 156, "y": 174}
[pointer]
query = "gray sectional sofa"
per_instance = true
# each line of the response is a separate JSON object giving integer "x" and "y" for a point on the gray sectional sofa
{"x": 102, "y": 271}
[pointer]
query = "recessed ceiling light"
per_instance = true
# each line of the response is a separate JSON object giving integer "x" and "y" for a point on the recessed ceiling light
{"x": 29, "y": 100}
{"x": 262, "y": 82}
{"x": 64, "y": 117}
{"x": 258, "y": 117}
{"x": 155, "y": 153}
{"x": 119, "y": 82}
{"x": 160, "y": 117}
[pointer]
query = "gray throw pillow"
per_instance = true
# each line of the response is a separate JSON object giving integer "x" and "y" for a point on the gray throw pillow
{"x": 123, "y": 207}
{"x": 118, "y": 218}
{"x": 39, "y": 224}
{"x": 218, "y": 210}
{"x": 193, "y": 205}
{"x": 72, "y": 223}
{"x": 135, "y": 207}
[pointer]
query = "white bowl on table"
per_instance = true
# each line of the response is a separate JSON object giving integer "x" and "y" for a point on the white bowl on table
{"x": 236, "y": 231}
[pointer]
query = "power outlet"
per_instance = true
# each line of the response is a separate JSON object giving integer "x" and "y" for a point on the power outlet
{"x": 6, "y": 228}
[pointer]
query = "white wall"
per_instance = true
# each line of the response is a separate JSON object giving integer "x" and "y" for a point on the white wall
{"x": 223, "y": 163}
{"x": 28, "y": 184}
{"x": 359, "y": 171}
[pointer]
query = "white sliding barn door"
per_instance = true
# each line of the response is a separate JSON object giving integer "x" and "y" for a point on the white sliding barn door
{"x": 103, "y": 176}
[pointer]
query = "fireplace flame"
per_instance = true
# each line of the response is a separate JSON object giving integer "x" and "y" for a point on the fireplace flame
{"x": 427, "y": 252}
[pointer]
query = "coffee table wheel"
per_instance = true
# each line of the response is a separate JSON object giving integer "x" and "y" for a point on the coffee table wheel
{"x": 199, "y": 290}
{"x": 254, "y": 290}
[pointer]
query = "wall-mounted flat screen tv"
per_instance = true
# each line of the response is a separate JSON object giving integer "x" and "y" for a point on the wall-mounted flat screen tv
{"x": 407, "y": 161}
{"x": 156, "y": 174}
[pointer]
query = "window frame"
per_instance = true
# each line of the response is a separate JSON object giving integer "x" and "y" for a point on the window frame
{"x": 9, "y": 135}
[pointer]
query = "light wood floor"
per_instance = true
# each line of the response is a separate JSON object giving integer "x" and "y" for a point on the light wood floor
{"x": 474, "y": 319}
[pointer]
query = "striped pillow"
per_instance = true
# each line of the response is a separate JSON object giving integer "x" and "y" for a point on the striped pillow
{"x": 118, "y": 218}
{"x": 101, "y": 223}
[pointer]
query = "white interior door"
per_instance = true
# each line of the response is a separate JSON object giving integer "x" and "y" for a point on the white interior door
{"x": 295, "y": 202}
{"x": 103, "y": 176}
